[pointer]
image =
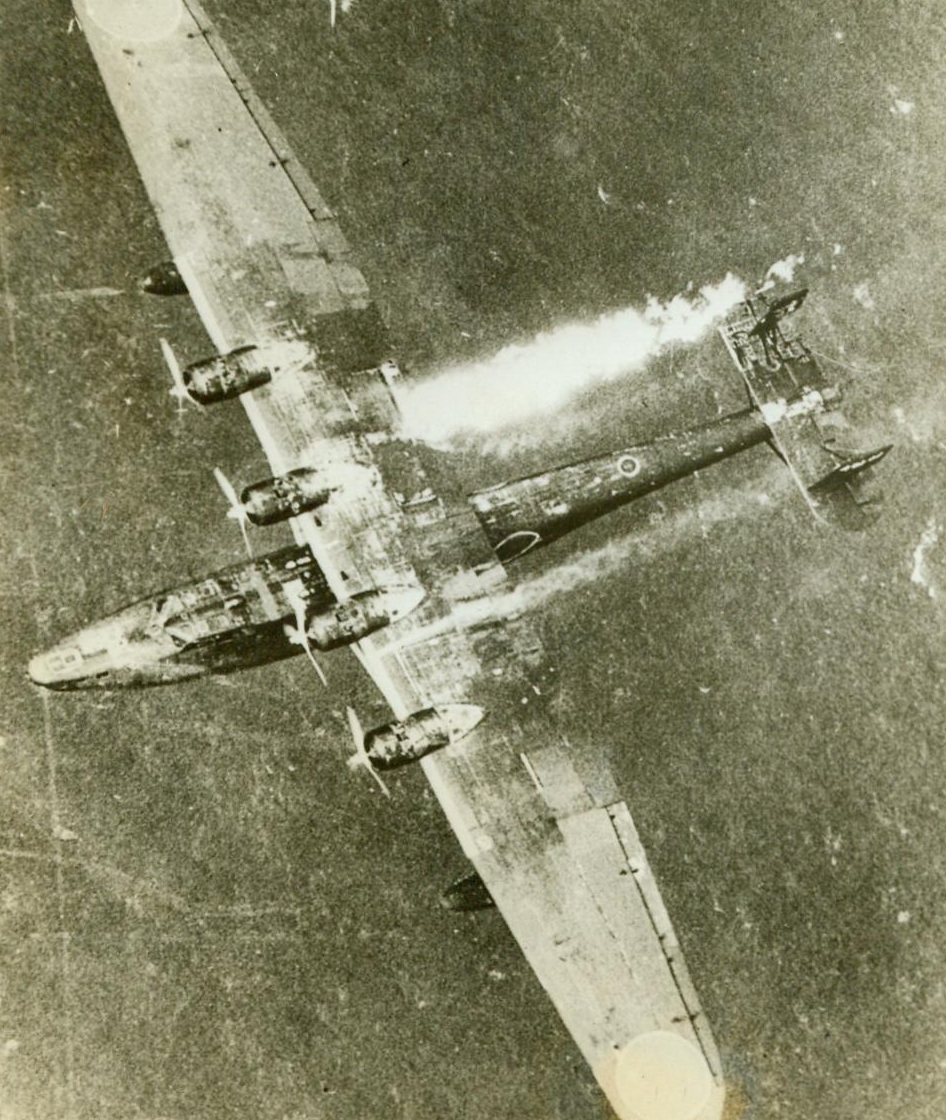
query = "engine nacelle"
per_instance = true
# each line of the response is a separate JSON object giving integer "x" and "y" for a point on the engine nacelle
{"x": 225, "y": 376}
{"x": 360, "y": 616}
{"x": 430, "y": 729}
{"x": 164, "y": 280}
{"x": 288, "y": 495}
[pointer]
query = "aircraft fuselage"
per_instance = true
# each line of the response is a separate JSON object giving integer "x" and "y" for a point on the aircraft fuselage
{"x": 530, "y": 512}
{"x": 250, "y": 614}
{"x": 237, "y": 618}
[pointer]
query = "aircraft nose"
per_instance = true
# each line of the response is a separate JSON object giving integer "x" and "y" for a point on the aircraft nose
{"x": 71, "y": 663}
{"x": 55, "y": 668}
{"x": 39, "y": 670}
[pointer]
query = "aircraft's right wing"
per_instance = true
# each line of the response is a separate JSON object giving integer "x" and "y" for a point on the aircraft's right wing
{"x": 567, "y": 869}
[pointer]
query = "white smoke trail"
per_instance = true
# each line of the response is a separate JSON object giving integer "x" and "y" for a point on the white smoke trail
{"x": 524, "y": 380}
{"x": 671, "y": 532}
{"x": 661, "y": 538}
{"x": 783, "y": 270}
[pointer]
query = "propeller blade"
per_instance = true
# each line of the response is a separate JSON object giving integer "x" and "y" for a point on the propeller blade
{"x": 357, "y": 732}
{"x": 228, "y": 491}
{"x": 315, "y": 665}
{"x": 303, "y": 637}
{"x": 246, "y": 538}
{"x": 170, "y": 360}
{"x": 360, "y": 757}
{"x": 237, "y": 510}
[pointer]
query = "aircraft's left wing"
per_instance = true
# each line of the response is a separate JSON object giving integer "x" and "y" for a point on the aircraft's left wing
{"x": 267, "y": 267}
{"x": 247, "y": 227}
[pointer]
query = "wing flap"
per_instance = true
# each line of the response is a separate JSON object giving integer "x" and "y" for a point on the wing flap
{"x": 562, "y": 789}
{"x": 593, "y": 845}
{"x": 646, "y": 884}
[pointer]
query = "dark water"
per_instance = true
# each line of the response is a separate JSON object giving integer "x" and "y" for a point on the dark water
{"x": 241, "y": 928}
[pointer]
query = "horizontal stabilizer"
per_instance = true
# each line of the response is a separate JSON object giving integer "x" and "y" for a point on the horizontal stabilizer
{"x": 850, "y": 464}
{"x": 778, "y": 309}
{"x": 773, "y": 366}
{"x": 848, "y": 496}
{"x": 801, "y": 409}
{"x": 837, "y": 484}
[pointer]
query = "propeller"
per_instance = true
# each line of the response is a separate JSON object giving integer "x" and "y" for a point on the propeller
{"x": 178, "y": 390}
{"x": 237, "y": 510}
{"x": 301, "y": 635}
{"x": 360, "y": 757}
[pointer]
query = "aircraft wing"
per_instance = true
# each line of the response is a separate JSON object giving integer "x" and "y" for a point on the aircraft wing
{"x": 541, "y": 821}
{"x": 267, "y": 266}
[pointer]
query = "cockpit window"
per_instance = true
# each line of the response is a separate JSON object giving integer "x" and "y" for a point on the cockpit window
{"x": 201, "y": 623}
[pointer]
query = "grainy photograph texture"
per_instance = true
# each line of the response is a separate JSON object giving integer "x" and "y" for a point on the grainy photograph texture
{"x": 472, "y": 569}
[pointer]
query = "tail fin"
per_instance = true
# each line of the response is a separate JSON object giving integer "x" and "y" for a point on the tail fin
{"x": 800, "y": 407}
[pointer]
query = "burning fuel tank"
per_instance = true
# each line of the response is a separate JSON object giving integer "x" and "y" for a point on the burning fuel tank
{"x": 359, "y": 616}
{"x": 288, "y": 495}
{"x": 430, "y": 729}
